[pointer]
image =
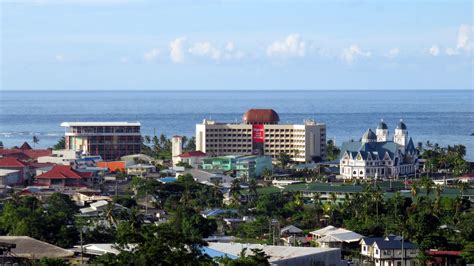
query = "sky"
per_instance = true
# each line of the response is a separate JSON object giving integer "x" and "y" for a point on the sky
{"x": 236, "y": 45}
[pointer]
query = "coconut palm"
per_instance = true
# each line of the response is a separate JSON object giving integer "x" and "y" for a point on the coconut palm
{"x": 253, "y": 193}
{"x": 36, "y": 140}
{"x": 414, "y": 190}
{"x": 235, "y": 191}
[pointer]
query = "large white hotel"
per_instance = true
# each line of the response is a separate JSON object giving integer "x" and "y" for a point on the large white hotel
{"x": 260, "y": 133}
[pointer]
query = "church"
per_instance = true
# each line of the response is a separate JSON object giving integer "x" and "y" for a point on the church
{"x": 375, "y": 156}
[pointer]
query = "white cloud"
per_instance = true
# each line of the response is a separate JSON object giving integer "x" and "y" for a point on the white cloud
{"x": 230, "y": 47}
{"x": 205, "y": 49}
{"x": 152, "y": 54}
{"x": 177, "y": 52}
{"x": 465, "y": 34}
{"x": 451, "y": 51}
{"x": 353, "y": 52}
{"x": 392, "y": 53}
{"x": 464, "y": 41}
{"x": 434, "y": 50}
{"x": 59, "y": 57}
{"x": 291, "y": 46}
{"x": 231, "y": 52}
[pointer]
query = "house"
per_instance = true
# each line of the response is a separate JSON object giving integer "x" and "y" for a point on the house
{"x": 141, "y": 169}
{"x": 10, "y": 163}
{"x": 82, "y": 197}
{"x": 98, "y": 208}
{"x": 9, "y": 177}
{"x": 292, "y": 236}
{"x": 25, "y": 152}
{"x": 333, "y": 237}
{"x": 63, "y": 176}
{"x": 389, "y": 251}
{"x": 22, "y": 250}
{"x": 193, "y": 158}
{"x": 64, "y": 157}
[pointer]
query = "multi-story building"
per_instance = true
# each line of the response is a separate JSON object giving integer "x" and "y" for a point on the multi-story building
{"x": 261, "y": 134}
{"x": 250, "y": 166}
{"x": 376, "y": 156}
{"x": 110, "y": 140}
{"x": 389, "y": 251}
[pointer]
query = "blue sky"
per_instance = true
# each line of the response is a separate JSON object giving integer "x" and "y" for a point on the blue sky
{"x": 236, "y": 45}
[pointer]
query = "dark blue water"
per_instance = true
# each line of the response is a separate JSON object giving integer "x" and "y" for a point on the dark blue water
{"x": 444, "y": 117}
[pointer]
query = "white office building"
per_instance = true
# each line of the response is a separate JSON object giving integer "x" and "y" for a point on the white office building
{"x": 261, "y": 134}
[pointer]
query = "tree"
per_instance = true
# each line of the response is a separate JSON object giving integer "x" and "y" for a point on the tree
{"x": 235, "y": 191}
{"x": 163, "y": 245}
{"x": 253, "y": 193}
{"x": 61, "y": 144}
{"x": 1, "y": 144}
{"x": 190, "y": 144}
{"x": 468, "y": 252}
{"x": 257, "y": 258}
{"x": 332, "y": 151}
{"x": 35, "y": 140}
{"x": 284, "y": 159}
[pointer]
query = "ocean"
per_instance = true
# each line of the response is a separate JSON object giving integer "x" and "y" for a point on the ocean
{"x": 444, "y": 117}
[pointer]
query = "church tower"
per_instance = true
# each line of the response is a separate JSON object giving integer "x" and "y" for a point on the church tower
{"x": 401, "y": 134}
{"x": 382, "y": 132}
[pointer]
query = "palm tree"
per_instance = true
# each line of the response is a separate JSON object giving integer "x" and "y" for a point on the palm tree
{"x": 317, "y": 198}
{"x": 377, "y": 196}
{"x": 462, "y": 187}
{"x": 414, "y": 190}
{"x": 266, "y": 174}
{"x": 147, "y": 139}
{"x": 109, "y": 213}
{"x": 438, "y": 192}
{"x": 253, "y": 190}
{"x": 235, "y": 191}
{"x": 35, "y": 140}
{"x": 428, "y": 184}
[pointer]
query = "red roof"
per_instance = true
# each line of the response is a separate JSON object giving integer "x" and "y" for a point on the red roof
{"x": 11, "y": 162}
{"x": 39, "y": 165}
{"x": 34, "y": 154}
{"x": 25, "y": 146}
{"x": 260, "y": 116}
{"x": 24, "y": 154}
{"x": 61, "y": 172}
{"x": 192, "y": 154}
{"x": 433, "y": 252}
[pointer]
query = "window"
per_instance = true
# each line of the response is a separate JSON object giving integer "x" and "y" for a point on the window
{"x": 377, "y": 251}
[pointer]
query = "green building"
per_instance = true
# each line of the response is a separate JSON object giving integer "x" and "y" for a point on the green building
{"x": 249, "y": 166}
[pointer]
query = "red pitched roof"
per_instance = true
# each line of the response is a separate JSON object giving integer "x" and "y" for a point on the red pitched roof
{"x": 11, "y": 162}
{"x": 34, "y": 154}
{"x": 24, "y": 154}
{"x": 192, "y": 154}
{"x": 39, "y": 165}
{"x": 25, "y": 146}
{"x": 61, "y": 172}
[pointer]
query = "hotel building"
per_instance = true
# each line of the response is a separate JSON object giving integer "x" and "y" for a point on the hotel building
{"x": 110, "y": 140}
{"x": 261, "y": 134}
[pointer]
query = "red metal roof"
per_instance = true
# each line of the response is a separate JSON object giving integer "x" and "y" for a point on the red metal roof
{"x": 61, "y": 172}
{"x": 25, "y": 146}
{"x": 260, "y": 116}
{"x": 192, "y": 154}
{"x": 24, "y": 154}
{"x": 11, "y": 162}
{"x": 433, "y": 252}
